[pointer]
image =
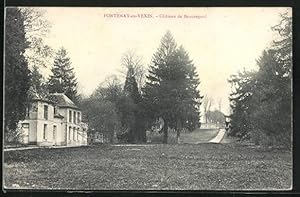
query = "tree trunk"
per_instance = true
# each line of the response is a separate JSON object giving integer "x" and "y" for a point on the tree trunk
{"x": 178, "y": 128}
{"x": 143, "y": 135}
{"x": 178, "y": 135}
{"x": 165, "y": 130}
{"x": 130, "y": 135}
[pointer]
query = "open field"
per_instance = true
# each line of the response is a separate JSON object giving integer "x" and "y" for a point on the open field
{"x": 170, "y": 167}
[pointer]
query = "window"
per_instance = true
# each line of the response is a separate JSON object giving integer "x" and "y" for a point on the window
{"x": 45, "y": 131}
{"x": 74, "y": 131}
{"x": 28, "y": 111}
{"x": 55, "y": 110}
{"x": 69, "y": 133}
{"x": 25, "y": 125}
{"x": 46, "y": 112}
{"x": 54, "y": 132}
{"x": 77, "y": 134}
{"x": 74, "y": 118}
{"x": 70, "y": 116}
{"x": 78, "y": 117}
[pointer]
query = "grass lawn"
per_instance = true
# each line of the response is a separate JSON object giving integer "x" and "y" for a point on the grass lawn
{"x": 156, "y": 167}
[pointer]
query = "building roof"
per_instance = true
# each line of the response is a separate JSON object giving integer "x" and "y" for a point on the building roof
{"x": 57, "y": 115}
{"x": 61, "y": 100}
{"x": 37, "y": 97}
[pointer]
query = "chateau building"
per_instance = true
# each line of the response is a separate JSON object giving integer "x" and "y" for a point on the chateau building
{"x": 53, "y": 121}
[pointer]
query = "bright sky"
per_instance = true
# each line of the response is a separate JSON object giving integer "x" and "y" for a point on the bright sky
{"x": 220, "y": 43}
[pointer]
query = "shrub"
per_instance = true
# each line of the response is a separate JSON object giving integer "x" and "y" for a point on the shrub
{"x": 156, "y": 137}
{"x": 13, "y": 137}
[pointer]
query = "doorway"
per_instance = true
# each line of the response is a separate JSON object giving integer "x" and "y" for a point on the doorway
{"x": 25, "y": 128}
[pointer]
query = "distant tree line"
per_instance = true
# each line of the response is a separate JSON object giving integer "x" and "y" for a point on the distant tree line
{"x": 261, "y": 100}
{"x": 215, "y": 117}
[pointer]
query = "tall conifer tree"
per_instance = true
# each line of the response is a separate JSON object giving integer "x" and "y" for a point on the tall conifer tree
{"x": 63, "y": 79}
{"x": 261, "y": 100}
{"x": 171, "y": 90}
{"x": 17, "y": 79}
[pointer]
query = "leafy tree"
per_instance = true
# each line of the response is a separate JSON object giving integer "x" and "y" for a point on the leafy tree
{"x": 110, "y": 89}
{"x": 38, "y": 54}
{"x": 171, "y": 89}
{"x": 37, "y": 27}
{"x": 101, "y": 115}
{"x": 207, "y": 103}
{"x": 17, "y": 79}
{"x": 63, "y": 79}
{"x": 38, "y": 86}
{"x": 130, "y": 60}
{"x": 102, "y": 108}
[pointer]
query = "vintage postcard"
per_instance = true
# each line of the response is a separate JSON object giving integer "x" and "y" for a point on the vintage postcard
{"x": 148, "y": 98}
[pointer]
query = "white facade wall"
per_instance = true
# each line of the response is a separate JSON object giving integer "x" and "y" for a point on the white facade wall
{"x": 58, "y": 133}
{"x": 47, "y": 138}
{"x": 73, "y": 124}
{"x": 57, "y": 129}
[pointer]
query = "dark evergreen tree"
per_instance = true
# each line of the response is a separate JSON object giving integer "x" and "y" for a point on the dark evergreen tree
{"x": 190, "y": 99}
{"x": 130, "y": 86}
{"x": 63, "y": 79}
{"x": 242, "y": 85}
{"x": 272, "y": 113}
{"x": 17, "y": 79}
{"x": 131, "y": 109}
{"x": 261, "y": 101}
{"x": 283, "y": 45}
{"x": 171, "y": 90}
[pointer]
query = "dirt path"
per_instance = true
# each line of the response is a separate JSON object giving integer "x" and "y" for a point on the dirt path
{"x": 198, "y": 136}
{"x": 38, "y": 147}
{"x": 219, "y": 137}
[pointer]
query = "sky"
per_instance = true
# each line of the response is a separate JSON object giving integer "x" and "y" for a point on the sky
{"x": 220, "y": 41}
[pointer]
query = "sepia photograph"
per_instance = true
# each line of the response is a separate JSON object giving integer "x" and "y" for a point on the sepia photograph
{"x": 148, "y": 98}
